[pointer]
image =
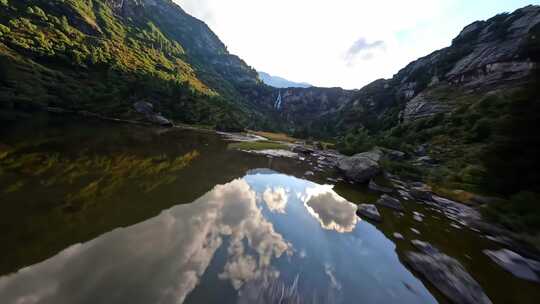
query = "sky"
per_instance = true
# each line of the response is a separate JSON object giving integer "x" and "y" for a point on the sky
{"x": 345, "y": 43}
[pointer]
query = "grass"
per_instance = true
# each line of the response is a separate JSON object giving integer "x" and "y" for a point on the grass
{"x": 258, "y": 145}
{"x": 275, "y": 136}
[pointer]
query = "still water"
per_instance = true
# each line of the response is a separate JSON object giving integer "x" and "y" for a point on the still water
{"x": 105, "y": 213}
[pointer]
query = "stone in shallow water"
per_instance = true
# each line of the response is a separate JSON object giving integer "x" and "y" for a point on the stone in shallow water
{"x": 374, "y": 187}
{"x": 390, "y": 202}
{"x": 405, "y": 195}
{"x": 446, "y": 274}
{"x": 369, "y": 211}
{"x": 417, "y": 216}
{"x": 514, "y": 263}
{"x": 361, "y": 167}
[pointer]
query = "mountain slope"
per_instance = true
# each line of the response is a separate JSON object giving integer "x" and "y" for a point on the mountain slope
{"x": 103, "y": 55}
{"x": 279, "y": 82}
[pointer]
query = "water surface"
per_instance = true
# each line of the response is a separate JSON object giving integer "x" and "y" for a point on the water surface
{"x": 95, "y": 212}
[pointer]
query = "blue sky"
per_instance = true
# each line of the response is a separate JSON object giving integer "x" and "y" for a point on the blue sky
{"x": 346, "y": 43}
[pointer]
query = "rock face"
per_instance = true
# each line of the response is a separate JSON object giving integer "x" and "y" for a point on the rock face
{"x": 147, "y": 109}
{"x": 446, "y": 274}
{"x": 361, "y": 167}
{"x": 423, "y": 105}
{"x": 390, "y": 202}
{"x": 369, "y": 211}
{"x": 516, "y": 264}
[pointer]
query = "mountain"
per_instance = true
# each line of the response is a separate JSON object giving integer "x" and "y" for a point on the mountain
{"x": 104, "y": 55}
{"x": 279, "y": 82}
{"x": 465, "y": 113}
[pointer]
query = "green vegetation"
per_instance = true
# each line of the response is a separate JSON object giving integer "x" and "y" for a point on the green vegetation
{"x": 258, "y": 145}
{"x": 82, "y": 55}
{"x": 518, "y": 213}
{"x": 356, "y": 141}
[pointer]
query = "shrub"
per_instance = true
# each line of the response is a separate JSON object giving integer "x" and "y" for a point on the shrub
{"x": 355, "y": 142}
{"x": 520, "y": 213}
{"x": 480, "y": 131}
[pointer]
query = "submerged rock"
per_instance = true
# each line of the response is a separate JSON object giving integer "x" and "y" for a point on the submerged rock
{"x": 361, "y": 167}
{"x": 417, "y": 216}
{"x": 369, "y": 211}
{"x": 390, "y": 202}
{"x": 374, "y": 187}
{"x": 446, "y": 274}
{"x": 514, "y": 263}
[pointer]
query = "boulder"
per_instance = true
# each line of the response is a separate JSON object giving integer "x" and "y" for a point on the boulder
{"x": 393, "y": 154}
{"x": 147, "y": 109}
{"x": 514, "y": 263}
{"x": 374, "y": 187}
{"x": 405, "y": 195}
{"x": 446, "y": 274}
{"x": 369, "y": 211}
{"x": 390, "y": 202}
{"x": 361, "y": 167}
{"x": 420, "y": 191}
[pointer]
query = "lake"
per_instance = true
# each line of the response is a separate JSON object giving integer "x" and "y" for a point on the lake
{"x": 96, "y": 212}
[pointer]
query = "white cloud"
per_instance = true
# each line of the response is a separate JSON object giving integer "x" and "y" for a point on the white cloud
{"x": 305, "y": 40}
{"x": 275, "y": 199}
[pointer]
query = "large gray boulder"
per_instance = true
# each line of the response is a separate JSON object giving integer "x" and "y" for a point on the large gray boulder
{"x": 369, "y": 211}
{"x": 362, "y": 167}
{"x": 514, "y": 263}
{"x": 446, "y": 274}
{"x": 147, "y": 109}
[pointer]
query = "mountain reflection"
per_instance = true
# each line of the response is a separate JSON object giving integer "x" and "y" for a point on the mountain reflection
{"x": 237, "y": 236}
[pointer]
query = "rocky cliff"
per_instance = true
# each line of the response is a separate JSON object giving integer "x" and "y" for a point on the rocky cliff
{"x": 486, "y": 56}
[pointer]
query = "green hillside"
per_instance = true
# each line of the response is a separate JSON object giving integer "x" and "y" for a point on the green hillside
{"x": 96, "y": 55}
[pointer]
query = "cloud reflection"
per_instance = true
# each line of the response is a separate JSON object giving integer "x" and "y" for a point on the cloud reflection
{"x": 160, "y": 260}
{"x": 331, "y": 210}
{"x": 276, "y": 199}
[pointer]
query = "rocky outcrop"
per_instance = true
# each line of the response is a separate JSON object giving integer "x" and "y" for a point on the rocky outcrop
{"x": 147, "y": 109}
{"x": 424, "y": 105}
{"x": 514, "y": 263}
{"x": 369, "y": 211}
{"x": 362, "y": 167}
{"x": 446, "y": 274}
